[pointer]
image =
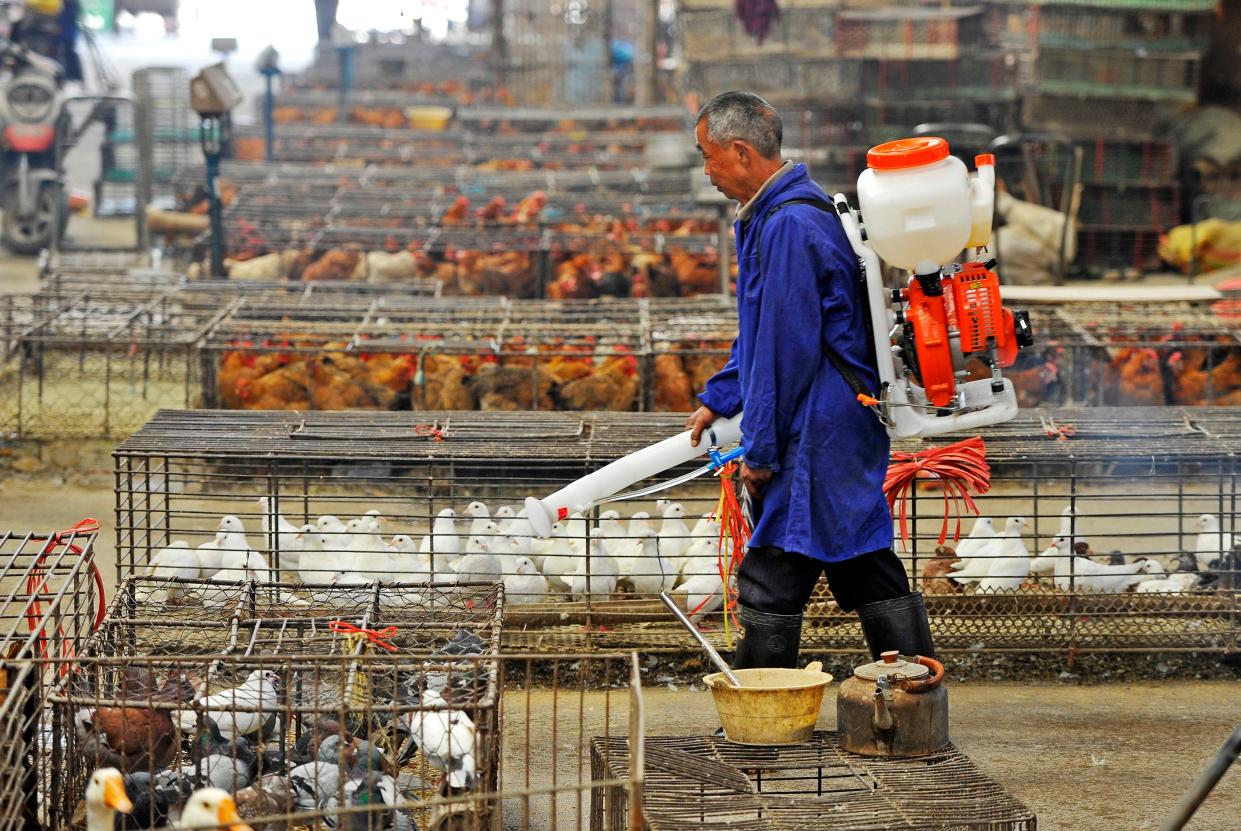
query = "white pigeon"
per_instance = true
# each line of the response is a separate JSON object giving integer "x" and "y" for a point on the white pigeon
{"x": 286, "y": 532}
{"x": 507, "y": 550}
{"x": 239, "y": 567}
{"x": 1179, "y": 581}
{"x": 1085, "y": 575}
{"x": 648, "y": 571}
{"x": 239, "y": 711}
{"x": 1006, "y": 547}
{"x": 576, "y": 529}
{"x": 480, "y": 517}
{"x": 702, "y": 556}
{"x": 176, "y": 562}
{"x": 210, "y": 555}
{"x": 317, "y": 564}
{"x": 542, "y": 547}
{"x": 703, "y": 590}
{"x": 520, "y": 529}
{"x": 367, "y": 553}
{"x": 446, "y": 739}
{"x": 601, "y": 581}
{"x": 1211, "y": 544}
{"x": 524, "y": 585}
{"x": 1045, "y": 561}
{"x": 478, "y": 565}
{"x": 981, "y": 534}
{"x": 610, "y": 524}
{"x": 561, "y": 562}
{"x": 700, "y": 527}
{"x": 373, "y": 519}
{"x": 504, "y": 517}
{"x": 234, "y": 539}
{"x": 1008, "y": 571}
{"x": 334, "y": 532}
{"x": 409, "y": 565}
{"x": 674, "y": 538}
{"x": 639, "y": 522}
{"x": 314, "y": 783}
{"x": 443, "y": 541}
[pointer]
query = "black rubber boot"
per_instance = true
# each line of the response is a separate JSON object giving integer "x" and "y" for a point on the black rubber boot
{"x": 770, "y": 640}
{"x": 900, "y": 624}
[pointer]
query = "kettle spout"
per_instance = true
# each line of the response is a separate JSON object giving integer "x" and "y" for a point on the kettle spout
{"x": 882, "y": 719}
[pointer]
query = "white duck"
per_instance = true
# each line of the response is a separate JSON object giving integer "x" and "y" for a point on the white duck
{"x": 211, "y": 808}
{"x": 105, "y": 796}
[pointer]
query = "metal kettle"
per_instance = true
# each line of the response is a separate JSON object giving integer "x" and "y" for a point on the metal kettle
{"x": 894, "y": 707}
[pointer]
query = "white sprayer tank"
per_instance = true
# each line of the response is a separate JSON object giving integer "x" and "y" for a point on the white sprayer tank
{"x": 917, "y": 204}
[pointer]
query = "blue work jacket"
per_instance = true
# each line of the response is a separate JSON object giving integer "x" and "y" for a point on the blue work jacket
{"x": 802, "y": 419}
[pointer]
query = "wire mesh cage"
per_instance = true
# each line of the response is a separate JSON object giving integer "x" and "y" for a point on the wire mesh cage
{"x": 1120, "y": 73}
{"x": 910, "y": 33}
{"x": 712, "y": 783}
{"x": 594, "y": 587}
{"x": 360, "y": 738}
{"x": 1165, "y": 26}
{"x": 50, "y": 604}
{"x": 103, "y": 363}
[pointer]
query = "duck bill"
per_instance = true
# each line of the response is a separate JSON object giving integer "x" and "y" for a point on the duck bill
{"x": 229, "y": 818}
{"x": 114, "y": 796}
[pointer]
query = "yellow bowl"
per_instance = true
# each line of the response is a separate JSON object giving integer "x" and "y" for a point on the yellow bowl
{"x": 428, "y": 117}
{"x": 772, "y": 706}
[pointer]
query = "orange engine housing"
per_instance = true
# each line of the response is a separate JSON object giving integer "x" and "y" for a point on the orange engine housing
{"x": 967, "y": 309}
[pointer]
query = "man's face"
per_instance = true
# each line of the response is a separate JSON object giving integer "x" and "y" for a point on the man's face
{"x": 725, "y": 165}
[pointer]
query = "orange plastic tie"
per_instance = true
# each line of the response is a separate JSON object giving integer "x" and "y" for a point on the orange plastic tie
{"x": 376, "y": 636}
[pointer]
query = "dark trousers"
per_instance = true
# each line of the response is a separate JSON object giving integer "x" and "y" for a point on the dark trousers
{"x": 780, "y": 582}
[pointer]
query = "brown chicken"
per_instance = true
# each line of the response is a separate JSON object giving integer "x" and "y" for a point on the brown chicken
{"x": 1190, "y": 378}
{"x": 512, "y": 388}
{"x": 444, "y": 385}
{"x": 1136, "y": 378}
{"x": 242, "y": 365}
{"x": 336, "y": 264}
{"x": 933, "y": 579}
{"x": 673, "y": 390}
{"x": 135, "y": 738}
{"x": 457, "y": 213}
{"x": 695, "y": 273}
{"x": 336, "y": 387}
{"x": 565, "y": 368}
{"x": 528, "y": 209}
{"x": 281, "y": 389}
{"x": 613, "y": 386}
{"x": 710, "y": 359}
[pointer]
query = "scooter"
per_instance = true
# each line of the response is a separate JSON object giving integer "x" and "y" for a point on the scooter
{"x": 34, "y": 131}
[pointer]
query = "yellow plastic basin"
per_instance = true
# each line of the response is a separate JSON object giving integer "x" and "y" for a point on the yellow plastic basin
{"x": 772, "y": 707}
{"x": 428, "y": 117}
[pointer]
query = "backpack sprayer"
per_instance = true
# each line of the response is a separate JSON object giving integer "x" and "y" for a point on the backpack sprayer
{"x": 924, "y": 209}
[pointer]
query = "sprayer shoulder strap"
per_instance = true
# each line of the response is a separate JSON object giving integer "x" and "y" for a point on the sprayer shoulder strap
{"x": 838, "y": 362}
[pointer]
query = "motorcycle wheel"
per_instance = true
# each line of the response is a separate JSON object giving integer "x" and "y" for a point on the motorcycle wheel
{"x": 29, "y": 236}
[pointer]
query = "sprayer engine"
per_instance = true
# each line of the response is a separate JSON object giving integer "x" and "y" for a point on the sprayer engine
{"x": 951, "y": 326}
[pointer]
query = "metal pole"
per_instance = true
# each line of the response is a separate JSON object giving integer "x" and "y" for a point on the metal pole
{"x": 211, "y": 141}
{"x": 1204, "y": 784}
{"x": 345, "y": 53}
{"x": 499, "y": 45}
{"x": 269, "y": 110}
{"x": 725, "y": 253}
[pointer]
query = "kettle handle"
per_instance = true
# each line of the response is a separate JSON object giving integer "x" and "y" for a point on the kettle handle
{"x": 917, "y": 685}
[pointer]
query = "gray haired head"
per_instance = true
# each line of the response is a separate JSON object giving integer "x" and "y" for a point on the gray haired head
{"x": 743, "y": 116}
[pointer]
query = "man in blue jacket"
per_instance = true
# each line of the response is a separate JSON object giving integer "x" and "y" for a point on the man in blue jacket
{"x": 815, "y": 457}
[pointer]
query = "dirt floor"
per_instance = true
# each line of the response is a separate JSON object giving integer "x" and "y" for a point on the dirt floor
{"x": 1083, "y": 758}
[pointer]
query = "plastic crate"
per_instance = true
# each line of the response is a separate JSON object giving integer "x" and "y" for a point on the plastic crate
{"x": 1120, "y": 73}
{"x": 1085, "y": 116}
{"x": 1089, "y": 28}
{"x": 1108, "y": 161}
{"x": 981, "y": 75}
{"x": 1124, "y": 207}
{"x": 909, "y": 33}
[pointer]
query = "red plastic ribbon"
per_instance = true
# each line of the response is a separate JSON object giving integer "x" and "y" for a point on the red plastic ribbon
{"x": 430, "y": 431}
{"x": 734, "y": 537}
{"x": 376, "y": 636}
{"x": 36, "y": 583}
{"x": 960, "y": 469}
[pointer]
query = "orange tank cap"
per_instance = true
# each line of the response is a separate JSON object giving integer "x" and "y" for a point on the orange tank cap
{"x": 909, "y": 152}
{"x": 984, "y": 159}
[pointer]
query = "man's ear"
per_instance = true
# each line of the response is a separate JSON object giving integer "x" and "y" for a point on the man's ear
{"x": 742, "y": 150}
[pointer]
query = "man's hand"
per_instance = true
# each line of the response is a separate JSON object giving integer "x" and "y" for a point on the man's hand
{"x": 698, "y": 421}
{"x": 755, "y": 478}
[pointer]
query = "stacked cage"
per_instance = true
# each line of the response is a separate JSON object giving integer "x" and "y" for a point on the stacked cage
{"x": 564, "y": 234}
{"x": 97, "y": 364}
{"x": 1156, "y": 571}
{"x": 1112, "y": 75}
{"x": 52, "y": 599}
